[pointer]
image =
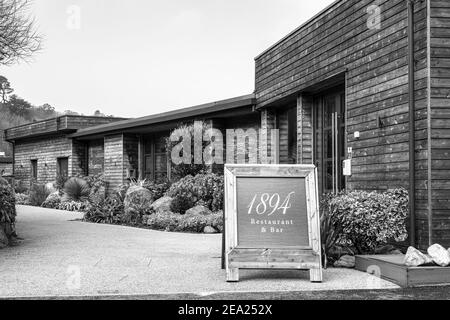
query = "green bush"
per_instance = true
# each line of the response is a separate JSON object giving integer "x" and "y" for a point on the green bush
{"x": 76, "y": 190}
{"x": 168, "y": 221}
{"x": 109, "y": 210}
{"x": 53, "y": 201}
{"x": 38, "y": 194}
{"x": 181, "y": 203}
{"x": 21, "y": 187}
{"x": 73, "y": 206}
{"x": 370, "y": 219}
{"x": 206, "y": 189}
{"x": 182, "y": 170}
{"x": 7, "y": 210}
{"x": 61, "y": 180}
{"x": 22, "y": 199}
{"x": 158, "y": 189}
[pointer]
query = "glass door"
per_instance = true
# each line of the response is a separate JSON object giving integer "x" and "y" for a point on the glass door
{"x": 329, "y": 127}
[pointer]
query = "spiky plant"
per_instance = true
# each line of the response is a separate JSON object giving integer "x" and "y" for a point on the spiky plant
{"x": 76, "y": 190}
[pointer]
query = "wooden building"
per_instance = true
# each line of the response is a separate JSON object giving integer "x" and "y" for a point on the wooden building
{"x": 6, "y": 166}
{"x": 368, "y": 81}
{"x": 43, "y": 149}
{"x": 136, "y": 148}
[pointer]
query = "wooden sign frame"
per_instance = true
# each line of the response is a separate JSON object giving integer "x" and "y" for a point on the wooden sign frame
{"x": 301, "y": 257}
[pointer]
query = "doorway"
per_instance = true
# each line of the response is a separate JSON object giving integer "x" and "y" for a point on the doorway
{"x": 63, "y": 167}
{"x": 330, "y": 142}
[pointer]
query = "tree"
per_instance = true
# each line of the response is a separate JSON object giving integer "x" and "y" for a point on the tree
{"x": 19, "y": 39}
{"x": 19, "y": 107}
{"x": 5, "y": 89}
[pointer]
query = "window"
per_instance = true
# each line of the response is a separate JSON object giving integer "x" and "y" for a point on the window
{"x": 34, "y": 169}
{"x": 63, "y": 167}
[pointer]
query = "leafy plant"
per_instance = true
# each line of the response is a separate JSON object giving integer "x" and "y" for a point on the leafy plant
{"x": 38, "y": 194}
{"x": 7, "y": 210}
{"x": 52, "y": 202}
{"x": 182, "y": 223}
{"x": 179, "y": 171}
{"x": 208, "y": 189}
{"x": 370, "y": 219}
{"x": 109, "y": 210}
{"x": 73, "y": 206}
{"x": 22, "y": 199}
{"x": 181, "y": 203}
{"x": 330, "y": 228}
{"x": 61, "y": 180}
{"x": 158, "y": 189}
{"x": 76, "y": 190}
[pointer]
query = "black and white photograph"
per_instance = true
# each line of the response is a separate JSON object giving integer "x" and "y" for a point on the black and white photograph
{"x": 243, "y": 151}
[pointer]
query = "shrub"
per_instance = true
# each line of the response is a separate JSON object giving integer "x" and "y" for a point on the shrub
{"x": 98, "y": 185}
{"x": 38, "y": 194}
{"x": 53, "y": 201}
{"x": 76, "y": 190}
{"x": 370, "y": 219}
{"x": 20, "y": 187}
{"x": 181, "y": 170}
{"x": 330, "y": 228}
{"x": 22, "y": 199}
{"x": 181, "y": 203}
{"x": 158, "y": 189}
{"x": 73, "y": 206}
{"x": 109, "y": 210}
{"x": 61, "y": 180}
{"x": 7, "y": 210}
{"x": 208, "y": 189}
{"x": 168, "y": 221}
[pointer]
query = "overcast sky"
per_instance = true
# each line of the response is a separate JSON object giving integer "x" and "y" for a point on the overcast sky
{"x": 139, "y": 57}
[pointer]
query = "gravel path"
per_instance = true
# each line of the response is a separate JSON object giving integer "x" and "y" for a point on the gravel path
{"x": 115, "y": 260}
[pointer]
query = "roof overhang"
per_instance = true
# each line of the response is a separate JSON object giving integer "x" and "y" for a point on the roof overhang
{"x": 239, "y": 106}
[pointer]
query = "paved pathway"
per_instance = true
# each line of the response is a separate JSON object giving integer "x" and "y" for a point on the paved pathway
{"x": 119, "y": 260}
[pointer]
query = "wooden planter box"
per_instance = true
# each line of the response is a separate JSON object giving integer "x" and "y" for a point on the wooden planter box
{"x": 391, "y": 268}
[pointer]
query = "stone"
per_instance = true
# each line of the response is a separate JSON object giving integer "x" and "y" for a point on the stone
{"x": 395, "y": 252}
{"x": 137, "y": 201}
{"x": 201, "y": 210}
{"x": 415, "y": 258}
{"x": 162, "y": 205}
{"x": 209, "y": 230}
{"x": 346, "y": 261}
{"x": 50, "y": 187}
{"x": 440, "y": 255}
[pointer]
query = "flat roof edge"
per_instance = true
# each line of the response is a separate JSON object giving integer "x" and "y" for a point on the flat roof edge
{"x": 336, "y": 3}
{"x": 207, "y": 108}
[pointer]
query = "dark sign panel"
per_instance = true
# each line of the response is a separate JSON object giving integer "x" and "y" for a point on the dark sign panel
{"x": 271, "y": 212}
{"x": 272, "y": 219}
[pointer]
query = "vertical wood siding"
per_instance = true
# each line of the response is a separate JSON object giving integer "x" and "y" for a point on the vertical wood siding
{"x": 440, "y": 120}
{"x": 376, "y": 65}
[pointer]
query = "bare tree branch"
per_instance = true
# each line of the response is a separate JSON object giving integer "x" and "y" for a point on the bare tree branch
{"x": 19, "y": 39}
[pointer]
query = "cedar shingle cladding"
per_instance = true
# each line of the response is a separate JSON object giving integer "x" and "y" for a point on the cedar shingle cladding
{"x": 376, "y": 65}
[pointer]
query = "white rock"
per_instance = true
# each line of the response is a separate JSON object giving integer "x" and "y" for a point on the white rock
{"x": 201, "y": 210}
{"x": 162, "y": 205}
{"x": 440, "y": 255}
{"x": 415, "y": 258}
{"x": 345, "y": 262}
{"x": 209, "y": 230}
